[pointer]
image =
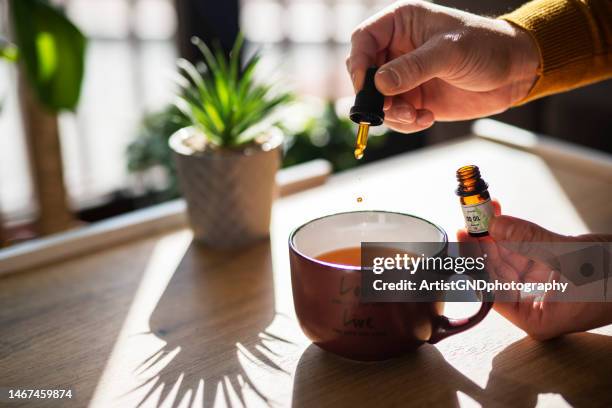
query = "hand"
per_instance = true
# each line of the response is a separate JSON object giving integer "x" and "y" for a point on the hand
{"x": 541, "y": 319}
{"x": 438, "y": 63}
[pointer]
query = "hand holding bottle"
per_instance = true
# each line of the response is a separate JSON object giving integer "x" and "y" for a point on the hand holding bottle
{"x": 540, "y": 319}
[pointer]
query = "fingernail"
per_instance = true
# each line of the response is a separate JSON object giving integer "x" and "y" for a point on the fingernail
{"x": 405, "y": 114}
{"x": 389, "y": 78}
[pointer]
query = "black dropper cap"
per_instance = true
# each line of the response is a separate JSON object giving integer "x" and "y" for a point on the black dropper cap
{"x": 368, "y": 102}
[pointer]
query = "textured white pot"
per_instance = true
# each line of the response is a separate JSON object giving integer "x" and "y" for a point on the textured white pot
{"x": 229, "y": 193}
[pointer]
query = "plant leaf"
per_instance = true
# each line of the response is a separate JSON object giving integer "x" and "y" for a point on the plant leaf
{"x": 223, "y": 101}
{"x": 235, "y": 58}
{"x": 52, "y": 50}
{"x": 209, "y": 57}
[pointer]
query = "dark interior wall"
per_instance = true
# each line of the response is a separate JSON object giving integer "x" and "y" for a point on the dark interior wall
{"x": 582, "y": 116}
{"x": 211, "y": 20}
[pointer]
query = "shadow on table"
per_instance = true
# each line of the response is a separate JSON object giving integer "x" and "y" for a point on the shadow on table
{"x": 422, "y": 378}
{"x": 214, "y": 312}
{"x": 578, "y": 367}
{"x": 48, "y": 316}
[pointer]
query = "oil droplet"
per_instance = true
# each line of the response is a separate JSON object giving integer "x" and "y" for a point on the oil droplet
{"x": 359, "y": 199}
{"x": 358, "y": 153}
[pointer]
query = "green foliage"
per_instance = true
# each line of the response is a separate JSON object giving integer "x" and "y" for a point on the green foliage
{"x": 327, "y": 137}
{"x": 150, "y": 148}
{"x": 52, "y": 50}
{"x": 223, "y": 101}
{"x": 324, "y": 135}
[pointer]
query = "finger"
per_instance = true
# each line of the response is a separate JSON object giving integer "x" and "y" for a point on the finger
{"x": 496, "y": 261}
{"x": 501, "y": 272}
{"x": 412, "y": 98}
{"x": 401, "y": 112}
{"x": 496, "y": 264}
{"x": 496, "y": 207}
{"x": 403, "y": 127}
{"x": 517, "y": 261}
{"x": 388, "y": 103}
{"x": 463, "y": 236}
{"x": 413, "y": 68}
{"x": 506, "y": 228}
{"x": 496, "y": 267}
{"x": 468, "y": 245}
{"x": 367, "y": 41}
{"x": 424, "y": 118}
{"x": 520, "y": 244}
{"x": 423, "y": 121}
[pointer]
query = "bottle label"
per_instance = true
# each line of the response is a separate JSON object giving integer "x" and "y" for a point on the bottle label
{"x": 477, "y": 216}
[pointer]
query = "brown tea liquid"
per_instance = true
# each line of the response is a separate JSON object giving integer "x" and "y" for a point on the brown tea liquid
{"x": 352, "y": 256}
{"x": 342, "y": 256}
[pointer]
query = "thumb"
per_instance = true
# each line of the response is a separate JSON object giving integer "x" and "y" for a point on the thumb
{"x": 511, "y": 229}
{"x": 412, "y": 69}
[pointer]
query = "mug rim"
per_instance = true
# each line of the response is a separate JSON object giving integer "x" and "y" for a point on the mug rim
{"x": 349, "y": 268}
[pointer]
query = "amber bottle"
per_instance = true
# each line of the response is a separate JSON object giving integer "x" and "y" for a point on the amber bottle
{"x": 475, "y": 200}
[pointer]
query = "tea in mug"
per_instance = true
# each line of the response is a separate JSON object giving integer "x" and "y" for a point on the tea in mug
{"x": 352, "y": 256}
{"x": 343, "y": 256}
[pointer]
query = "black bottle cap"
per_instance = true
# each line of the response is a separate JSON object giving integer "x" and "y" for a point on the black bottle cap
{"x": 368, "y": 102}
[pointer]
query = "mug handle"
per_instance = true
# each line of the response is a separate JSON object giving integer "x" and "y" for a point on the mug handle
{"x": 445, "y": 327}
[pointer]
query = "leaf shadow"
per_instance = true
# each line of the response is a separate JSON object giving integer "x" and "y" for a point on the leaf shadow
{"x": 203, "y": 355}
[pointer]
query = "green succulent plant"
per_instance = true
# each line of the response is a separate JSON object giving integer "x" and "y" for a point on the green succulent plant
{"x": 223, "y": 101}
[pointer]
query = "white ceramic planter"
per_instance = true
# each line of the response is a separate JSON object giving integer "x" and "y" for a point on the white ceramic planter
{"x": 229, "y": 193}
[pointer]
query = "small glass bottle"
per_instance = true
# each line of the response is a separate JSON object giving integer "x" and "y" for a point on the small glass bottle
{"x": 475, "y": 200}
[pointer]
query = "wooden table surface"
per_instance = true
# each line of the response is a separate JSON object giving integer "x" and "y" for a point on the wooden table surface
{"x": 163, "y": 322}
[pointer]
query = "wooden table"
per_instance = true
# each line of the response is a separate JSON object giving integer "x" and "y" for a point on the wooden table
{"x": 162, "y": 322}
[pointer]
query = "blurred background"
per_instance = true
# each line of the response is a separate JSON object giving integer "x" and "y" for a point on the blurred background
{"x": 113, "y": 152}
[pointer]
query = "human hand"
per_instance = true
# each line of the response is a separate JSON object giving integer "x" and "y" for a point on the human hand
{"x": 438, "y": 63}
{"x": 540, "y": 318}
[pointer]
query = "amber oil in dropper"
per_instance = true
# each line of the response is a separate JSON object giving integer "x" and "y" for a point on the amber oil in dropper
{"x": 362, "y": 139}
{"x": 367, "y": 111}
{"x": 475, "y": 200}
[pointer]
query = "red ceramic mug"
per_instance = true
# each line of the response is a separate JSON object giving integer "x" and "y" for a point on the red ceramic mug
{"x": 326, "y": 295}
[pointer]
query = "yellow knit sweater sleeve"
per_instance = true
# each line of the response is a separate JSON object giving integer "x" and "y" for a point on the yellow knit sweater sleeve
{"x": 574, "y": 38}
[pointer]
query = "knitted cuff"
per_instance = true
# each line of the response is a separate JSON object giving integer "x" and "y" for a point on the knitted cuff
{"x": 564, "y": 35}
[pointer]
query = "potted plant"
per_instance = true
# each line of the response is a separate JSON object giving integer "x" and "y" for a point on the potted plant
{"x": 227, "y": 158}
